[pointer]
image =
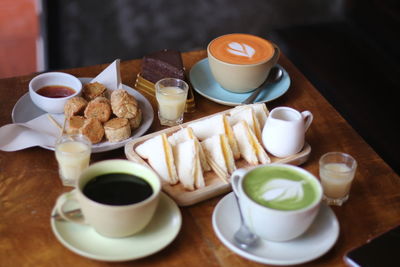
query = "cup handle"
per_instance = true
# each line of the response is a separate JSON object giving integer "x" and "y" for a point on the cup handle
{"x": 62, "y": 201}
{"x": 308, "y": 118}
{"x": 276, "y": 55}
{"x": 235, "y": 177}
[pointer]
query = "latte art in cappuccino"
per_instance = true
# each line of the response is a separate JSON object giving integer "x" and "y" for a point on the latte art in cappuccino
{"x": 243, "y": 49}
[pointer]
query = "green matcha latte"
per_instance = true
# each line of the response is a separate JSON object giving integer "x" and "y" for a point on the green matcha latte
{"x": 280, "y": 188}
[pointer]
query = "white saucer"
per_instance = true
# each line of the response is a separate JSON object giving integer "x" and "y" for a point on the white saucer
{"x": 204, "y": 83}
{"x": 25, "y": 110}
{"x": 318, "y": 239}
{"x": 86, "y": 242}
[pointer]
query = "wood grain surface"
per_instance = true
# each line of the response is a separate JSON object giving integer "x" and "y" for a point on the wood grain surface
{"x": 29, "y": 186}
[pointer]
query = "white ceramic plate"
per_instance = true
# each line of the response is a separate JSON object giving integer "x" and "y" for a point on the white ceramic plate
{"x": 25, "y": 110}
{"x": 318, "y": 239}
{"x": 86, "y": 242}
{"x": 204, "y": 83}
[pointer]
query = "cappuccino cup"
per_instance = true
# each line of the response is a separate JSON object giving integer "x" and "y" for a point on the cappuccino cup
{"x": 278, "y": 202}
{"x": 117, "y": 198}
{"x": 241, "y": 62}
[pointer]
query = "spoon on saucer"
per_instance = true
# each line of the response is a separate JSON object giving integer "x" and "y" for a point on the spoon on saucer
{"x": 243, "y": 237}
{"x": 274, "y": 76}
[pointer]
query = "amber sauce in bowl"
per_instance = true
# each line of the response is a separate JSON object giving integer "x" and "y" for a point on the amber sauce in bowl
{"x": 56, "y": 91}
{"x": 51, "y": 90}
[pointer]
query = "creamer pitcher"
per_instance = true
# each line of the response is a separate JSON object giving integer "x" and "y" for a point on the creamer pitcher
{"x": 284, "y": 130}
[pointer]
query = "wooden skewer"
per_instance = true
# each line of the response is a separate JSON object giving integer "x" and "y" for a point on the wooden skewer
{"x": 63, "y": 126}
{"x": 52, "y": 120}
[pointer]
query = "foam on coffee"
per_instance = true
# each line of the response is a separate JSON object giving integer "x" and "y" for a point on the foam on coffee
{"x": 280, "y": 188}
{"x": 241, "y": 49}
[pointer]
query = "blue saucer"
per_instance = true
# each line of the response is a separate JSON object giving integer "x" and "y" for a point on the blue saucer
{"x": 204, "y": 83}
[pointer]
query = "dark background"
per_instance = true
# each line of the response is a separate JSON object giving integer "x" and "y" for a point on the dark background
{"x": 349, "y": 49}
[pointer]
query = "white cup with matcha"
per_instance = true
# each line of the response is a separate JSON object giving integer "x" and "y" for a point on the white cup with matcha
{"x": 279, "y": 202}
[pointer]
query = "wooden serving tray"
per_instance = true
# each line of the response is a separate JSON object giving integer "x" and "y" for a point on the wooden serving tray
{"x": 214, "y": 185}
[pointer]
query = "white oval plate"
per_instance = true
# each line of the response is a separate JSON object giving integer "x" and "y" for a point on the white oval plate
{"x": 318, "y": 239}
{"x": 204, "y": 83}
{"x": 85, "y": 241}
{"x": 25, "y": 110}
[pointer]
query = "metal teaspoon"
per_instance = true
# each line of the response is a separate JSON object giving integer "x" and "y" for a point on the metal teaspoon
{"x": 274, "y": 76}
{"x": 243, "y": 237}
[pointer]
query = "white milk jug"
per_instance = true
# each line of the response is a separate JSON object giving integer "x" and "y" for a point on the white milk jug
{"x": 284, "y": 130}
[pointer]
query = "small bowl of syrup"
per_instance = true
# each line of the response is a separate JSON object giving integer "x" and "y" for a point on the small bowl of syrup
{"x": 50, "y": 91}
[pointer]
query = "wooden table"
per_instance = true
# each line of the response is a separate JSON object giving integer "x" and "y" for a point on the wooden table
{"x": 29, "y": 186}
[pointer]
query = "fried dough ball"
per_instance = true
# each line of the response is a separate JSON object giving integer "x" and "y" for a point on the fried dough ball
{"x": 92, "y": 90}
{"x": 74, "y": 124}
{"x": 135, "y": 122}
{"x": 123, "y": 104}
{"x": 93, "y": 129}
{"x": 99, "y": 108}
{"x": 117, "y": 129}
{"x": 75, "y": 106}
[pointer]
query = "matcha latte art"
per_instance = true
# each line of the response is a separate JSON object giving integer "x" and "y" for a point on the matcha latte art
{"x": 279, "y": 188}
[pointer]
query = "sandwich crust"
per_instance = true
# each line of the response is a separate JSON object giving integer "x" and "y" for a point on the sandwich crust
{"x": 219, "y": 153}
{"x": 250, "y": 149}
{"x": 187, "y": 134}
{"x": 158, "y": 152}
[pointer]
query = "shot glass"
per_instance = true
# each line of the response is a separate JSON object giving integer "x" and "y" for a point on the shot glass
{"x": 336, "y": 170}
{"x": 171, "y": 97}
{"x": 73, "y": 156}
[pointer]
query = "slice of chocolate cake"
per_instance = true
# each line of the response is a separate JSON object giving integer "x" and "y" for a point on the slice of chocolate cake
{"x": 162, "y": 64}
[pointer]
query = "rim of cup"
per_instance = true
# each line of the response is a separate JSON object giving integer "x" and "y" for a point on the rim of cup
{"x": 174, "y": 82}
{"x": 311, "y": 176}
{"x": 71, "y": 138}
{"x": 237, "y": 64}
{"x": 348, "y": 158}
{"x": 79, "y": 186}
{"x": 280, "y": 109}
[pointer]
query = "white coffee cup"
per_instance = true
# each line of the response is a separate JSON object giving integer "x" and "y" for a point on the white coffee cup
{"x": 241, "y": 62}
{"x": 273, "y": 223}
{"x": 112, "y": 220}
{"x": 284, "y": 131}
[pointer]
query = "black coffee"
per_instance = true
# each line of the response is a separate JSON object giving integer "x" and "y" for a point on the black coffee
{"x": 117, "y": 189}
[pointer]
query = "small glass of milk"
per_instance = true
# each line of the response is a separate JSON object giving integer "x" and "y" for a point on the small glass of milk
{"x": 73, "y": 156}
{"x": 336, "y": 170}
{"x": 171, "y": 96}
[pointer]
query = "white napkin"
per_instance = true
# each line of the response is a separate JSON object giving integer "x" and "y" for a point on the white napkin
{"x": 110, "y": 77}
{"x": 41, "y": 131}
{"x": 37, "y": 132}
